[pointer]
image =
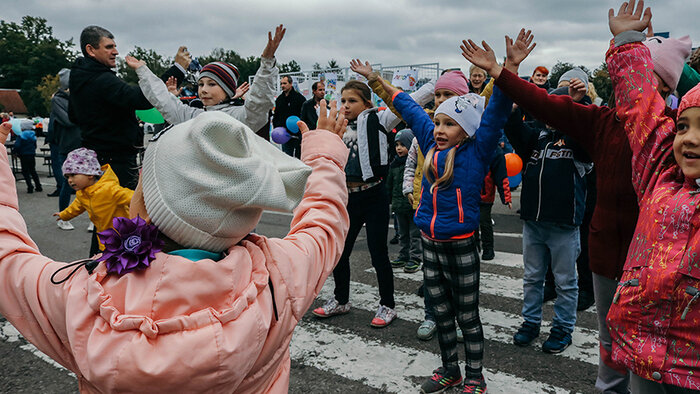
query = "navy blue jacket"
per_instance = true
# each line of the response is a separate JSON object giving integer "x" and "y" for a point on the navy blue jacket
{"x": 452, "y": 211}
{"x": 554, "y": 188}
{"x": 25, "y": 143}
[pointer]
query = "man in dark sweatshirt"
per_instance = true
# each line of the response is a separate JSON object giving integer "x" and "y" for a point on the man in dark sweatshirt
{"x": 103, "y": 105}
{"x": 288, "y": 104}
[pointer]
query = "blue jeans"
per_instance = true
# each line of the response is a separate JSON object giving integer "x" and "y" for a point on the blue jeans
{"x": 56, "y": 166}
{"x": 563, "y": 244}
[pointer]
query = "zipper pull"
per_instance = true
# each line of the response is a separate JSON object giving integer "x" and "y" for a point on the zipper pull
{"x": 693, "y": 292}
{"x": 631, "y": 282}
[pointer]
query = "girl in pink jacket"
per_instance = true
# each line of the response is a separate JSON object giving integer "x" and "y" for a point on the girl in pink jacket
{"x": 185, "y": 298}
{"x": 654, "y": 320}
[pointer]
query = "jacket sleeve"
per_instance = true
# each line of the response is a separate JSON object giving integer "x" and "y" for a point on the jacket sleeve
{"x": 581, "y": 122}
{"x": 173, "y": 110}
{"x": 173, "y": 71}
{"x": 306, "y": 110}
{"x": 492, "y": 122}
{"x": 377, "y": 88}
{"x": 421, "y": 96}
{"x": 121, "y": 94}
{"x": 416, "y": 119}
{"x": 641, "y": 108}
{"x": 409, "y": 172}
{"x": 74, "y": 209}
{"x": 522, "y": 137}
{"x": 488, "y": 91}
{"x": 122, "y": 196}
{"x": 308, "y": 254}
{"x": 500, "y": 177}
{"x": 59, "y": 111}
{"x": 28, "y": 299}
{"x": 261, "y": 96}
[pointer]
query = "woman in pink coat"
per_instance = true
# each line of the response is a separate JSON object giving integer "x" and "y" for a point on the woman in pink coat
{"x": 185, "y": 299}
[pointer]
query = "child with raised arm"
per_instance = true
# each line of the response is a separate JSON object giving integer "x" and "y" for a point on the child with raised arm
{"x": 459, "y": 144}
{"x": 185, "y": 298}
{"x": 217, "y": 87}
{"x": 655, "y": 314}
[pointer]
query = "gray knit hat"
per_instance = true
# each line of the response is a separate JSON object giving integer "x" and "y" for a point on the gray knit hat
{"x": 574, "y": 73}
{"x": 207, "y": 181}
{"x": 64, "y": 78}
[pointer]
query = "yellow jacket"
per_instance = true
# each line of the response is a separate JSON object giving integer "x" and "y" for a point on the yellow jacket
{"x": 103, "y": 201}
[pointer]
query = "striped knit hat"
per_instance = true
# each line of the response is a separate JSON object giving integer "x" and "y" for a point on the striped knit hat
{"x": 225, "y": 74}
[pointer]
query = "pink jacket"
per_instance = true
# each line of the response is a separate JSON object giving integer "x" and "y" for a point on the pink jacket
{"x": 654, "y": 320}
{"x": 181, "y": 326}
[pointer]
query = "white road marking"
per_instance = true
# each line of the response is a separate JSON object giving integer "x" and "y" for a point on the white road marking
{"x": 9, "y": 333}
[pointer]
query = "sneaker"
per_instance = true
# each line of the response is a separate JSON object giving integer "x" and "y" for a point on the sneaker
{"x": 550, "y": 293}
{"x": 411, "y": 266}
{"x": 39, "y": 188}
{"x": 55, "y": 193}
{"x": 557, "y": 342}
{"x": 441, "y": 380}
{"x": 585, "y": 300}
{"x": 527, "y": 333}
{"x": 64, "y": 225}
{"x": 395, "y": 240}
{"x": 460, "y": 335}
{"x": 475, "y": 386}
{"x": 398, "y": 263}
{"x": 90, "y": 227}
{"x": 384, "y": 317}
{"x": 30, "y": 190}
{"x": 426, "y": 330}
{"x": 331, "y": 308}
{"x": 488, "y": 255}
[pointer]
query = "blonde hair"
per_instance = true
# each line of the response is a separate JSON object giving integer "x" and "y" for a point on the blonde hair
{"x": 476, "y": 68}
{"x": 429, "y": 169}
{"x": 591, "y": 92}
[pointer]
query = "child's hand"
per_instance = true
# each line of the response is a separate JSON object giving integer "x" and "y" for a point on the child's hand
{"x": 241, "y": 90}
{"x": 409, "y": 196}
{"x": 517, "y": 51}
{"x": 182, "y": 57}
{"x": 577, "y": 89}
{"x": 628, "y": 18}
{"x": 362, "y": 69}
{"x": 171, "y": 84}
{"x": 335, "y": 125}
{"x": 57, "y": 215}
{"x": 483, "y": 58}
{"x": 134, "y": 62}
{"x": 273, "y": 42}
{"x": 5, "y": 130}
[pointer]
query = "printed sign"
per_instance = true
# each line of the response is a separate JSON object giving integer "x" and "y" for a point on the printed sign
{"x": 405, "y": 79}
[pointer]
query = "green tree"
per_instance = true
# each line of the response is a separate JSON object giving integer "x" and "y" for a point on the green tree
{"x": 155, "y": 62}
{"x": 289, "y": 67}
{"x": 46, "y": 89}
{"x": 29, "y": 51}
{"x": 247, "y": 66}
{"x": 333, "y": 64}
{"x": 601, "y": 81}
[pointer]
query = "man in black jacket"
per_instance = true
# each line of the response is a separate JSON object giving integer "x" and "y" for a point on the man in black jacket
{"x": 103, "y": 105}
{"x": 309, "y": 110}
{"x": 288, "y": 104}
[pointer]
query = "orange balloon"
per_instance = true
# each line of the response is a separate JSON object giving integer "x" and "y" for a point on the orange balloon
{"x": 513, "y": 164}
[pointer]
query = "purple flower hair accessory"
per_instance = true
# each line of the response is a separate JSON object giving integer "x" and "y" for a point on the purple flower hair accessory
{"x": 132, "y": 244}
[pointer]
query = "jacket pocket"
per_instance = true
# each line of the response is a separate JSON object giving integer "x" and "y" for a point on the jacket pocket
{"x": 459, "y": 205}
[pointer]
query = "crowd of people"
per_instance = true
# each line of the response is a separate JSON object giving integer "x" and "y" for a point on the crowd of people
{"x": 608, "y": 203}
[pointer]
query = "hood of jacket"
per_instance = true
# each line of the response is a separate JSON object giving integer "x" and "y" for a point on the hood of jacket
{"x": 84, "y": 70}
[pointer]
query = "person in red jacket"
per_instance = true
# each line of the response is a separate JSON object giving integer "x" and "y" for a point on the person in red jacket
{"x": 496, "y": 178}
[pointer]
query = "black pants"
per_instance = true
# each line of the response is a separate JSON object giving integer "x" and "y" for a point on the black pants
{"x": 485, "y": 232}
{"x": 124, "y": 166}
{"x": 292, "y": 147}
{"x": 28, "y": 163}
{"x": 371, "y": 208}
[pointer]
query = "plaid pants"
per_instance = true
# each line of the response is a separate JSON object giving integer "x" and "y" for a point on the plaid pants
{"x": 451, "y": 272}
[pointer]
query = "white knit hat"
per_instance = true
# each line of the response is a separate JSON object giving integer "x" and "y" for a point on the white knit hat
{"x": 207, "y": 181}
{"x": 466, "y": 110}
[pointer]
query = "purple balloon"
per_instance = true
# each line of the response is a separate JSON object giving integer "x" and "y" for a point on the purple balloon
{"x": 280, "y": 135}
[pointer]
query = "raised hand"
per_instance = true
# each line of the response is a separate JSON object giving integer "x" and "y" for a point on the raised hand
{"x": 273, "y": 42}
{"x": 577, "y": 89}
{"x": 5, "y": 130}
{"x": 628, "y": 18}
{"x": 518, "y": 50}
{"x": 362, "y": 69}
{"x": 182, "y": 57}
{"x": 134, "y": 62}
{"x": 241, "y": 90}
{"x": 484, "y": 58}
{"x": 171, "y": 84}
{"x": 335, "y": 123}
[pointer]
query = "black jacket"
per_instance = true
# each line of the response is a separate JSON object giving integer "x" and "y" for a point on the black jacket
{"x": 554, "y": 188}
{"x": 286, "y": 106}
{"x": 64, "y": 132}
{"x": 103, "y": 105}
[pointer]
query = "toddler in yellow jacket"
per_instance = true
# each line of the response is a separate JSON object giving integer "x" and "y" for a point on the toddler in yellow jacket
{"x": 97, "y": 190}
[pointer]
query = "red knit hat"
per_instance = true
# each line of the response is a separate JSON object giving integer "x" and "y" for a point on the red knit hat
{"x": 225, "y": 74}
{"x": 690, "y": 100}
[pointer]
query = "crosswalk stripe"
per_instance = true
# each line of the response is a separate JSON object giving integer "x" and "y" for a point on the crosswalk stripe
{"x": 8, "y": 333}
{"x": 383, "y": 366}
{"x": 498, "y": 326}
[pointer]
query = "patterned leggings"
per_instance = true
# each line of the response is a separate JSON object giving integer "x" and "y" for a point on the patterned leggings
{"x": 451, "y": 271}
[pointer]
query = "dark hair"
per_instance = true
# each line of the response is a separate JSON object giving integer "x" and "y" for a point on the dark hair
{"x": 92, "y": 35}
{"x": 361, "y": 87}
{"x": 289, "y": 78}
{"x": 315, "y": 85}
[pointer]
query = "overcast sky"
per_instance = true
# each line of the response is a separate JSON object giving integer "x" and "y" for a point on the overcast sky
{"x": 391, "y": 32}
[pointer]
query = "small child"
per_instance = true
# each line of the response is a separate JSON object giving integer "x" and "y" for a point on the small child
{"x": 188, "y": 299}
{"x": 97, "y": 191}
{"x": 410, "y": 255}
{"x": 25, "y": 148}
{"x": 496, "y": 179}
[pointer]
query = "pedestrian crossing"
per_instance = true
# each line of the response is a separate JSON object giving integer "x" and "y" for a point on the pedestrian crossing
{"x": 393, "y": 360}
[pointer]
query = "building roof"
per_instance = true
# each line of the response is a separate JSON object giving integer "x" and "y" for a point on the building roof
{"x": 11, "y": 101}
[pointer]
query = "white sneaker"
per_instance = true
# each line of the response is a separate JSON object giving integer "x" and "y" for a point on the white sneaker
{"x": 64, "y": 225}
{"x": 90, "y": 227}
{"x": 384, "y": 317}
{"x": 331, "y": 308}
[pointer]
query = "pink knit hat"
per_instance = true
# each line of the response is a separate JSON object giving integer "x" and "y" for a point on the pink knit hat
{"x": 454, "y": 81}
{"x": 690, "y": 100}
{"x": 668, "y": 55}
